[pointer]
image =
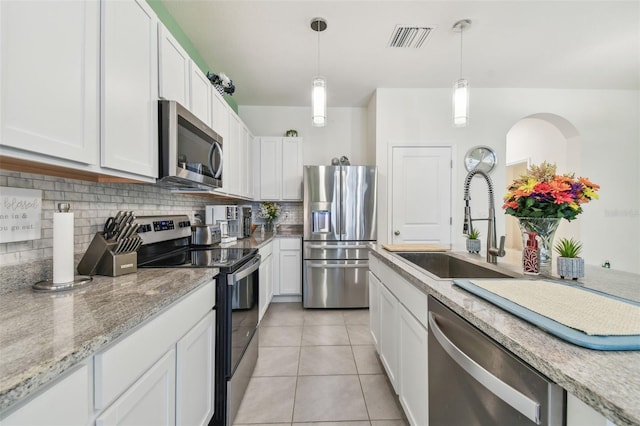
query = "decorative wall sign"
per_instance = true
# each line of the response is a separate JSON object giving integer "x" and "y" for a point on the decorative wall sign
{"x": 20, "y": 214}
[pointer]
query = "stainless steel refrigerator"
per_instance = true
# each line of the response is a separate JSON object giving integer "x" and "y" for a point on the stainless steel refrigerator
{"x": 339, "y": 220}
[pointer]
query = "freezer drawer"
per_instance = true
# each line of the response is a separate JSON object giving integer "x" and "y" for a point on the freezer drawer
{"x": 335, "y": 284}
{"x": 322, "y": 250}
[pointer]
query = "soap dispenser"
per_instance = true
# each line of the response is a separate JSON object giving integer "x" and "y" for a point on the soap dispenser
{"x": 531, "y": 255}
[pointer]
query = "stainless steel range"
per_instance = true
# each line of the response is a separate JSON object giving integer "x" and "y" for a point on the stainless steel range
{"x": 167, "y": 244}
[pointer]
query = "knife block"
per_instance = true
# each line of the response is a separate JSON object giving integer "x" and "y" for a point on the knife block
{"x": 99, "y": 259}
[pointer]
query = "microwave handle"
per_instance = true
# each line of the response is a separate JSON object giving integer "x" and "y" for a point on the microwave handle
{"x": 215, "y": 147}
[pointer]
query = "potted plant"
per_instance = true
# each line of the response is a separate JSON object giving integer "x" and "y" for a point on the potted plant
{"x": 269, "y": 212}
{"x": 473, "y": 242}
{"x": 570, "y": 265}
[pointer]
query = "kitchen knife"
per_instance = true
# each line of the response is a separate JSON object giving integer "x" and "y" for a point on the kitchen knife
{"x": 133, "y": 227}
{"x": 123, "y": 230}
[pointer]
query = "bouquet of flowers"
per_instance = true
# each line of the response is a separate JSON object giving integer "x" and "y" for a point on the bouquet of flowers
{"x": 542, "y": 193}
{"x": 269, "y": 211}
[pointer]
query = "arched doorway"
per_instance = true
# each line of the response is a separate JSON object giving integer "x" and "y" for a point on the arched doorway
{"x": 532, "y": 140}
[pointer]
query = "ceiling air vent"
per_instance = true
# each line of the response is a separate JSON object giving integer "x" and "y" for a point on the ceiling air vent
{"x": 409, "y": 36}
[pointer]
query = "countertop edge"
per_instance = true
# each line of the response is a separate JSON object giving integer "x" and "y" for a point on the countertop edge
{"x": 581, "y": 389}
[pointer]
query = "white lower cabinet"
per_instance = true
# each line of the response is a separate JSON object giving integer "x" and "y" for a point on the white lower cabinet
{"x": 413, "y": 392}
{"x": 389, "y": 334}
{"x": 580, "y": 414}
{"x": 195, "y": 374}
{"x": 287, "y": 277}
{"x": 65, "y": 403}
{"x": 162, "y": 373}
{"x": 266, "y": 278}
{"x": 374, "y": 309}
{"x": 149, "y": 401}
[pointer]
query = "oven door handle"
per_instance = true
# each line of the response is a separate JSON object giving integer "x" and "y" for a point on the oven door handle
{"x": 511, "y": 396}
{"x": 245, "y": 271}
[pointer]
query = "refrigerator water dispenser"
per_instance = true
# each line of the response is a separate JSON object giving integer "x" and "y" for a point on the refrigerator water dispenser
{"x": 321, "y": 221}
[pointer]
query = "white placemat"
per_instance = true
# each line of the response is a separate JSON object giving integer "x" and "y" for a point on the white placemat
{"x": 591, "y": 313}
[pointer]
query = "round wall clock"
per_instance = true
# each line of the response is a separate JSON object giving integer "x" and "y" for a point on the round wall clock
{"x": 480, "y": 157}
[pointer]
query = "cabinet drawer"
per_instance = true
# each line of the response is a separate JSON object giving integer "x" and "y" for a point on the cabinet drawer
{"x": 266, "y": 250}
{"x": 290, "y": 243}
{"x": 117, "y": 367}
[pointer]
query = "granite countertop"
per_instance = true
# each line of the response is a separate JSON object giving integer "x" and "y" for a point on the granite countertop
{"x": 257, "y": 239}
{"x": 608, "y": 381}
{"x": 44, "y": 334}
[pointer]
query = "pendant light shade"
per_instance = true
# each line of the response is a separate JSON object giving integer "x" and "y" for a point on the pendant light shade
{"x": 319, "y": 102}
{"x": 461, "y": 86}
{"x": 460, "y": 103}
{"x": 319, "y": 84}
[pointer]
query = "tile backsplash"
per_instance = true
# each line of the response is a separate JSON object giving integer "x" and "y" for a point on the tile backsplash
{"x": 92, "y": 203}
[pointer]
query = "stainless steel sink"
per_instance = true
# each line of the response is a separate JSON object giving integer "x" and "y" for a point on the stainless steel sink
{"x": 443, "y": 265}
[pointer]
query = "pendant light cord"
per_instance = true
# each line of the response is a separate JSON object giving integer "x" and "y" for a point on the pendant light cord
{"x": 461, "y": 31}
{"x": 318, "y": 31}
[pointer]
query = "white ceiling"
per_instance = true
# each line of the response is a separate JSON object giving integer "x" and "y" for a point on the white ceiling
{"x": 270, "y": 52}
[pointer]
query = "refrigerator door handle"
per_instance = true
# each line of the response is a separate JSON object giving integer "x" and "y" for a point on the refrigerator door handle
{"x": 336, "y": 247}
{"x": 343, "y": 193}
{"x": 338, "y": 265}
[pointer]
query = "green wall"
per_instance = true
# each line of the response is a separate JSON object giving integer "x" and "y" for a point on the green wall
{"x": 173, "y": 27}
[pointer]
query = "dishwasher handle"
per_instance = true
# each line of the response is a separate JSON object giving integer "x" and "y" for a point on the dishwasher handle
{"x": 502, "y": 390}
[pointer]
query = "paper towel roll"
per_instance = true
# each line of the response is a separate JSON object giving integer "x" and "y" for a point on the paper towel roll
{"x": 63, "y": 271}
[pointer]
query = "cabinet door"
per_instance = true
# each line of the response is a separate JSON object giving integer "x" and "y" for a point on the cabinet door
{"x": 220, "y": 115}
{"x": 266, "y": 286}
{"x": 173, "y": 67}
{"x": 129, "y": 87}
{"x": 195, "y": 374}
{"x": 270, "y": 168}
{"x": 290, "y": 272}
{"x": 276, "y": 267}
{"x": 291, "y": 169}
{"x": 243, "y": 159}
{"x": 374, "y": 309}
{"x": 389, "y": 335}
{"x": 66, "y": 403}
{"x": 149, "y": 401}
{"x": 413, "y": 381}
{"x": 200, "y": 95}
{"x": 231, "y": 172}
{"x": 49, "y": 74}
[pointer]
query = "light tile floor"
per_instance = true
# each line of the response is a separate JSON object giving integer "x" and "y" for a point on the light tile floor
{"x": 318, "y": 368}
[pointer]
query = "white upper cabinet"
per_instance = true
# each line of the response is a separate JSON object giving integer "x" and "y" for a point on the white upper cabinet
{"x": 292, "y": 169}
{"x": 270, "y": 182}
{"x": 49, "y": 68}
{"x": 200, "y": 95}
{"x": 280, "y": 175}
{"x": 231, "y": 152}
{"x": 129, "y": 87}
{"x": 220, "y": 115}
{"x": 173, "y": 68}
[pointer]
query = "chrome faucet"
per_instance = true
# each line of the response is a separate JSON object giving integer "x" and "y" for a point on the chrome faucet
{"x": 493, "y": 252}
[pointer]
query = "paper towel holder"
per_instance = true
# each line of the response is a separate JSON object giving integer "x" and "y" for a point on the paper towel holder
{"x": 78, "y": 280}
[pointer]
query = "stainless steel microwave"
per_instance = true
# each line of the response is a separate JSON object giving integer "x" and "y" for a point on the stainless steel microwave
{"x": 190, "y": 151}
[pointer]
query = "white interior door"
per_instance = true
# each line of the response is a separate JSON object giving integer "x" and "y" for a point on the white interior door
{"x": 421, "y": 195}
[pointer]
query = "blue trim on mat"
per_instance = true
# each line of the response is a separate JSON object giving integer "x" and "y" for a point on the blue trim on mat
{"x": 577, "y": 337}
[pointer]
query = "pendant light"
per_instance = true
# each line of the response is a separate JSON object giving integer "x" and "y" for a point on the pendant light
{"x": 461, "y": 86}
{"x": 319, "y": 84}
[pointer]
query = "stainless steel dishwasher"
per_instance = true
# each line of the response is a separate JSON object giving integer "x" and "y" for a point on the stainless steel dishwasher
{"x": 475, "y": 381}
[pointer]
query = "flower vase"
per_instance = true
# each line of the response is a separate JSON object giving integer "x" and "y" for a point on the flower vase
{"x": 545, "y": 228}
{"x": 268, "y": 227}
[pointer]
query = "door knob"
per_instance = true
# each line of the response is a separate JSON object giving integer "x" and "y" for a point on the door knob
{"x": 396, "y": 233}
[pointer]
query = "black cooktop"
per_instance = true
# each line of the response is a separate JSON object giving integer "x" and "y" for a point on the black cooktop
{"x": 201, "y": 257}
